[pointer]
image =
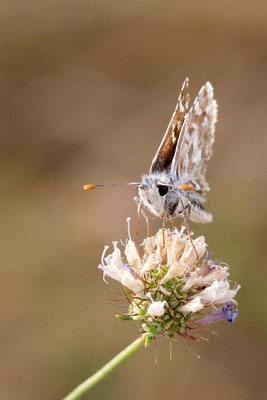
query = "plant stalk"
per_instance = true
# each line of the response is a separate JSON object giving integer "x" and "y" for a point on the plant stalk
{"x": 105, "y": 370}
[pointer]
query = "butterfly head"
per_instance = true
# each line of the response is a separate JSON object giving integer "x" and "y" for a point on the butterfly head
{"x": 153, "y": 191}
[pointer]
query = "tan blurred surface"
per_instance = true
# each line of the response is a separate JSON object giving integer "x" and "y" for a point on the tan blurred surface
{"x": 87, "y": 90}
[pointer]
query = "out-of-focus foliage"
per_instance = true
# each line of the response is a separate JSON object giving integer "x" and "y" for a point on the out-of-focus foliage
{"x": 87, "y": 90}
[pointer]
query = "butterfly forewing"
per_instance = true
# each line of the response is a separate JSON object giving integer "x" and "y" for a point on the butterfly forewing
{"x": 163, "y": 158}
{"x": 194, "y": 147}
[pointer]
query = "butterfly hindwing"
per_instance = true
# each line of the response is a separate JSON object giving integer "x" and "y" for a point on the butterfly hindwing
{"x": 194, "y": 147}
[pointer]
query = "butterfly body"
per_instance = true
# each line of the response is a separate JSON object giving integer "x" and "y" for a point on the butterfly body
{"x": 165, "y": 199}
{"x": 176, "y": 182}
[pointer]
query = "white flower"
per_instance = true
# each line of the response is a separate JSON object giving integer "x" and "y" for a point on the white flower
{"x": 114, "y": 267}
{"x": 132, "y": 255}
{"x": 175, "y": 247}
{"x": 153, "y": 261}
{"x": 177, "y": 269}
{"x": 181, "y": 254}
{"x": 149, "y": 244}
{"x": 189, "y": 256}
{"x": 228, "y": 296}
{"x": 218, "y": 273}
{"x": 218, "y": 292}
{"x": 211, "y": 293}
{"x": 156, "y": 309}
{"x": 193, "y": 305}
{"x": 192, "y": 280}
{"x": 130, "y": 281}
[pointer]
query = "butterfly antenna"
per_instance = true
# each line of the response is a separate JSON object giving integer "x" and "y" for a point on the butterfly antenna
{"x": 102, "y": 185}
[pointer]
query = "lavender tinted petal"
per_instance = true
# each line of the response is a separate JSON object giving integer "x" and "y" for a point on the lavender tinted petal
{"x": 226, "y": 312}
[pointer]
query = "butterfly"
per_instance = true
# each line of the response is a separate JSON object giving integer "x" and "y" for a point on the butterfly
{"x": 176, "y": 183}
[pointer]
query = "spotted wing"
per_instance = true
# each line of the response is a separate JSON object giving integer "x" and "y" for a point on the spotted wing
{"x": 163, "y": 158}
{"x": 194, "y": 147}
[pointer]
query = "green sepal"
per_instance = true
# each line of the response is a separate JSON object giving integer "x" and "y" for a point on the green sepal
{"x": 148, "y": 340}
{"x": 152, "y": 330}
{"x": 124, "y": 317}
{"x": 142, "y": 312}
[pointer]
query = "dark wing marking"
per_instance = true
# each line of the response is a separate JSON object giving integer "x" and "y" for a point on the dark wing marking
{"x": 163, "y": 158}
{"x": 194, "y": 147}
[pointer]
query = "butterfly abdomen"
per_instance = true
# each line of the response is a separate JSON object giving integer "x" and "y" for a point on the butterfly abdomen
{"x": 198, "y": 212}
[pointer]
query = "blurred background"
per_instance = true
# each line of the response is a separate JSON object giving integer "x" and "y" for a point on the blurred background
{"x": 87, "y": 90}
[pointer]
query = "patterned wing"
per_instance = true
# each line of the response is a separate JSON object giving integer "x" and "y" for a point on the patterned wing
{"x": 194, "y": 147}
{"x": 163, "y": 158}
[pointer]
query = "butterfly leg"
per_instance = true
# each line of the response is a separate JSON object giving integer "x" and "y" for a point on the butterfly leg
{"x": 163, "y": 230}
{"x": 138, "y": 215}
{"x": 147, "y": 223}
{"x": 139, "y": 211}
{"x": 186, "y": 215}
{"x": 172, "y": 223}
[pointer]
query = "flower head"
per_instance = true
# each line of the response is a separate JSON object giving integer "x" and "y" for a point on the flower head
{"x": 171, "y": 288}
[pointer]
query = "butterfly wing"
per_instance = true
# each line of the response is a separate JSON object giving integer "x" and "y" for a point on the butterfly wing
{"x": 194, "y": 147}
{"x": 163, "y": 158}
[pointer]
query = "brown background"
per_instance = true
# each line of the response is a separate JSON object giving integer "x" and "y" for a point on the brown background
{"x": 87, "y": 90}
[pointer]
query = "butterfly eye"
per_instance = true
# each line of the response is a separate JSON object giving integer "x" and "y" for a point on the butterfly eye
{"x": 162, "y": 190}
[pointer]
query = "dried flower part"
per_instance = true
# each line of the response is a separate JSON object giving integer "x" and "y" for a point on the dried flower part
{"x": 170, "y": 287}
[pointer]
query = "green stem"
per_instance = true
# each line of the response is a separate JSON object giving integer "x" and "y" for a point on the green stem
{"x": 104, "y": 371}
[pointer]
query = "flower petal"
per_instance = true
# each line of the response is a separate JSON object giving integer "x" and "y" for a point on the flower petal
{"x": 152, "y": 262}
{"x": 193, "y": 306}
{"x": 132, "y": 255}
{"x": 156, "y": 309}
{"x": 129, "y": 281}
{"x": 174, "y": 246}
{"x": 189, "y": 256}
{"x": 227, "y": 295}
{"x": 149, "y": 244}
{"x": 226, "y": 312}
{"x": 176, "y": 270}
